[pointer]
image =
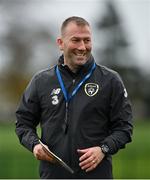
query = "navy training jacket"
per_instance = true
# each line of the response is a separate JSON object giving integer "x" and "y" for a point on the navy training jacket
{"x": 99, "y": 113}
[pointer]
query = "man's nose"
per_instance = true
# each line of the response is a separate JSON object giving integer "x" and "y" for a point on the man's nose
{"x": 82, "y": 46}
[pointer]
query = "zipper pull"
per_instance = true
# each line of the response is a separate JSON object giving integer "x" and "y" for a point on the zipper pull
{"x": 73, "y": 81}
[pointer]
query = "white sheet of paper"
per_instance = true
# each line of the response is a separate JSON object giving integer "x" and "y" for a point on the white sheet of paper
{"x": 60, "y": 161}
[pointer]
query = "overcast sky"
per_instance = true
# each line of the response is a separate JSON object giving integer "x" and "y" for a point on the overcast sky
{"x": 135, "y": 15}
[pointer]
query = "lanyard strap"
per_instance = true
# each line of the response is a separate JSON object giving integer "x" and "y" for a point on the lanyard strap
{"x": 69, "y": 96}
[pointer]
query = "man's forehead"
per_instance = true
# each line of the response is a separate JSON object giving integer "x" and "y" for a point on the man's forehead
{"x": 74, "y": 30}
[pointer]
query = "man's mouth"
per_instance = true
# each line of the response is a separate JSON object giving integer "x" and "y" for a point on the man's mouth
{"x": 80, "y": 54}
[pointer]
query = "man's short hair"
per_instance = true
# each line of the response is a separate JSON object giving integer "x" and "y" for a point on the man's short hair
{"x": 75, "y": 19}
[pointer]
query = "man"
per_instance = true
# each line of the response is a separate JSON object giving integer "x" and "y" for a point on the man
{"x": 83, "y": 110}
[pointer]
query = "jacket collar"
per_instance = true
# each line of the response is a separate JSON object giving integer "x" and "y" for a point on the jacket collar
{"x": 82, "y": 71}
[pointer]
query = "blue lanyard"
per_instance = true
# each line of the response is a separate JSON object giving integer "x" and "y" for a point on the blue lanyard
{"x": 69, "y": 96}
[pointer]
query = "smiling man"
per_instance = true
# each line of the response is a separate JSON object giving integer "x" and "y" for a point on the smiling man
{"x": 83, "y": 110}
{"x": 75, "y": 42}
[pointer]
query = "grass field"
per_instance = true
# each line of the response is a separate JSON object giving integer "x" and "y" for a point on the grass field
{"x": 134, "y": 161}
{"x": 18, "y": 163}
{"x": 15, "y": 161}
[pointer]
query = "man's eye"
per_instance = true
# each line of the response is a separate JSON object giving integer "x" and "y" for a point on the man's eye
{"x": 87, "y": 40}
{"x": 75, "y": 40}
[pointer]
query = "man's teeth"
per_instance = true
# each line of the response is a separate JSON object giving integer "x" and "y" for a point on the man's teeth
{"x": 80, "y": 54}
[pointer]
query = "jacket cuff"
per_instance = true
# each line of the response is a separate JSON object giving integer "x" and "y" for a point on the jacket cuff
{"x": 34, "y": 144}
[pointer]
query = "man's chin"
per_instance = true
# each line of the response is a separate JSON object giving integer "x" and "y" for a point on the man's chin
{"x": 81, "y": 61}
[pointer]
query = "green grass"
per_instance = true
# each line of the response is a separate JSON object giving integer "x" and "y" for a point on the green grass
{"x": 15, "y": 161}
{"x": 132, "y": 162}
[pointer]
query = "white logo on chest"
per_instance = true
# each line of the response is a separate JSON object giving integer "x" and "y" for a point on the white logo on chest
{"x": 54, "y": 95}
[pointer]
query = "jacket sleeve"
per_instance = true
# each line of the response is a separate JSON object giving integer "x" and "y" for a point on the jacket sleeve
{"x": 120, "y": 117}
{"x": 28, "y": 115}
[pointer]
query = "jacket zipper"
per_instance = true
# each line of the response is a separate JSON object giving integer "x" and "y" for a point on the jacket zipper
{"x": 66, "y": 118}
{"x": 66, "y": 112}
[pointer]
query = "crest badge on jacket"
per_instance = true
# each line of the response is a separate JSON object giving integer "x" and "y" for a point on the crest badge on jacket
{"x": 91, "y": 89}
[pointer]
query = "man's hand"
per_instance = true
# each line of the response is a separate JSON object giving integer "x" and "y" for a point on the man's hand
{"x": 90, "y": 158}
{"x": 40, "y": 154}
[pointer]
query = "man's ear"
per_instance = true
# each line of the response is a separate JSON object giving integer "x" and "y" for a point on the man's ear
{"x": 60, "y": 43}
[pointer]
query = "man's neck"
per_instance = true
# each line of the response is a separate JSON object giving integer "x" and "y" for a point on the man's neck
{"x": 74, "y": 69}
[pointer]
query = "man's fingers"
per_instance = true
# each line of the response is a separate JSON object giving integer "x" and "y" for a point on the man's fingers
{"x": 82, "y": 151}
{"x": 88, "y": 165}
{"x": 91, "y": 167}
{"x": 85, "y": 156}
{"x": 86, "y": 161}
{"x": 90, "y": 158}
{"x": 40, "y": 154}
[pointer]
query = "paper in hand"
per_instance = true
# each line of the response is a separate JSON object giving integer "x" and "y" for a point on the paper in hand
{"x": 56, "y": 158}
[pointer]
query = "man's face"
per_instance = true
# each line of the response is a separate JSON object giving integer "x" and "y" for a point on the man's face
{"x": 76, "y": 44}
